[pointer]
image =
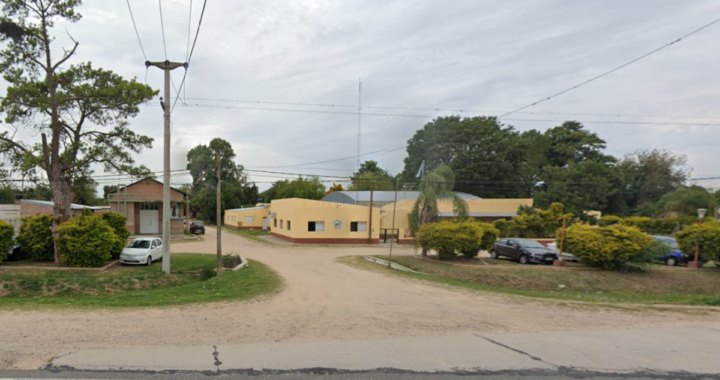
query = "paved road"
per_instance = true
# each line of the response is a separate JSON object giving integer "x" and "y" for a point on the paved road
{"x": 334, "y": 316}
{"x": 329, "y": 375}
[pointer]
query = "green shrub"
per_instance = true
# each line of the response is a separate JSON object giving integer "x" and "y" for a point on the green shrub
{"x": 35, "y": 237}
{"x": 207, "y": 273}
{"x": 609, "y": 220}
{"x": 535, "y": 222}
{"x": 449, "y": 238}
{"x": 118, "y": 222}
{"x": 705, "y": 236}
{"x": 6, "y": 239}
{"x": 86, "y": 241}
{"x": 617, "y": 247}
{"x": 489, "y": 236}
{"x": 644, "y": 223}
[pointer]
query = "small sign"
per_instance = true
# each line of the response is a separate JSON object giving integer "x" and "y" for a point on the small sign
{"x": 337, "y": 224}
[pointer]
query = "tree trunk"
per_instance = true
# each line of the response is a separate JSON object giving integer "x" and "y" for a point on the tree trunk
{"x": 62, "y": 210}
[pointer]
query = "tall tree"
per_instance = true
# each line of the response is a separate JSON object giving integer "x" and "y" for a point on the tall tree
{"x": 66, "y": 107}
{"x": 306, "y": 188}
{"x": 571, "y": 142}
{"x": 436, "y": 186}
{"x": 487, "y": 156}
{"x": 686, "y": 200}
{"x": 647, "y": 175}
{"x": 236, "y": 191}
{"x": 582, "y": 186}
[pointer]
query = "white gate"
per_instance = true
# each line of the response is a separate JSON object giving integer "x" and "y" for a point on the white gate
{"x": 265, "y": 223}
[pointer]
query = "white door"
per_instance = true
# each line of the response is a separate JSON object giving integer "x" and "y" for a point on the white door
{"x": 265, "y": 223}
{"x": 149, "y": 221}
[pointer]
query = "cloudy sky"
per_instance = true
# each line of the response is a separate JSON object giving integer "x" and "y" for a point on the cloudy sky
{"x": 254, "y": 57}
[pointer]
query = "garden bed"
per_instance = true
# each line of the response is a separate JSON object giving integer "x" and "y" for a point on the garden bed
{"x": 690, "y": 287}
{"x": 131, "y": 286}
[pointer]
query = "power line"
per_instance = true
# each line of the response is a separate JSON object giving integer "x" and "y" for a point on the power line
{"x": 434, "y": 116}
{"x": 136, "y": 30}
{"x": 162, "y": 27}
{"x": 614, "y": 69}
{"x": 455, "y": 110}
{"x": 187, "y": 44}
{"x": 333, "y": 160}
{"x": 192, "y": 50}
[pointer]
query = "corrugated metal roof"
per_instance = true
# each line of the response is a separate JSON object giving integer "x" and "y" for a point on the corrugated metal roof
{"x": 379, "y": 196}
{"x": 481, "y": 214}
{"x": 73, "y": 206}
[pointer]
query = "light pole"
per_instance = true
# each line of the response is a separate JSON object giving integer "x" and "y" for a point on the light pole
{"x": 696, "y": 263}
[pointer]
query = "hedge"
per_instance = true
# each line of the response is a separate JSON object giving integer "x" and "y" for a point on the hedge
{"x": 118, "y": 222}
{"x": 448, "y": 238}
{"x": 6, "y": 239}
{"x": 664, "y": 226}
{"x": 617, "y": 247}
{"x": 87, "y": 241}
{"x": 535, "y": 222}
{"x": 35, "y": 237}
{"x": 705, "y": 236}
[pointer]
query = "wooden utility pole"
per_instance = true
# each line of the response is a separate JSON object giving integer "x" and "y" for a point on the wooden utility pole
{"x": 166, "y": 66}
{"x": 372, "y": 188}
{"x": 219, "y": 214}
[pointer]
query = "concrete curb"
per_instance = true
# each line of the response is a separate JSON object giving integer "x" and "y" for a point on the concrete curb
{"x": 66, "y": 269}
{"x": 385, "y": 264}
{"x": 243, "y": 264}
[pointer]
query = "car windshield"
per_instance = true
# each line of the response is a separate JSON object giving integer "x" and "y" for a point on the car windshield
{"x": 139, "y": 244}
{"x": 670, "y": 242}
{"x": 527, "y": 243}
{"x": 199, "y": 224}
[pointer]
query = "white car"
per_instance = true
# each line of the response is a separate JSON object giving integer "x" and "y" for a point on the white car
{"x": 565, "y": 255}
{"x": 142, "y": 251}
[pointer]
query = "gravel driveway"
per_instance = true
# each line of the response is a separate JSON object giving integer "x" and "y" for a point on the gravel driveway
{"x": 323, "y": 300}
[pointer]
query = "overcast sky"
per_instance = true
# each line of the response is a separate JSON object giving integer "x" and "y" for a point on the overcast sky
{"x": 487, "y": 56}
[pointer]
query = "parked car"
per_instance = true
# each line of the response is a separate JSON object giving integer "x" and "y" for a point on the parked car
{"x": 525, "y": 251}
{"x": 197, "y": 227}
{"x": 675, "y": 257}
{"x": 142, "y": 251}
{"x": 565, "y": 255}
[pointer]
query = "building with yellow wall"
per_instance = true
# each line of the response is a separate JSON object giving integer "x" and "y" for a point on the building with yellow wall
{"x": 317, "y": 222}
{"x": 251, "y": 218}
{"x": 484, "y": 210}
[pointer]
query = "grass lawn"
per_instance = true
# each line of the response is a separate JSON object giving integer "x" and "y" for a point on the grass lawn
{"x": 250, "y": 234}
{"x": 135, "y": 286}
{"x": 650, "y": 287}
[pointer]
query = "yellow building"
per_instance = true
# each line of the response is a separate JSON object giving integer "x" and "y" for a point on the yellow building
{"x": 484, "y": 210}
{"x": 317, "y": 222}
{"x": 251, "y": 218}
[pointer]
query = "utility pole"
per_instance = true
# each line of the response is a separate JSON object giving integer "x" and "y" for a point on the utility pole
{"x": 397, "y": 183}
{"x": 166, "y": 66}
{"x": 218, "y": 216}
{"x": 372, "y": 187}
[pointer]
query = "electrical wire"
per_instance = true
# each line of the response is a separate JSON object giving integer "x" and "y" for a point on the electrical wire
{"x": 455, "y": 110}
{"x": 192, "y": 50}
{"x": 614, "y": 69}
{"x": 187, "y": 44}
{"x": 435, "y": 116}
{"x": 136, "y": 31}
{"x": 162, "y": 27}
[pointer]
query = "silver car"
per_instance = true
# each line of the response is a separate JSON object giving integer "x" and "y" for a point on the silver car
{"x": 142, "y": 251}
{"x": 565, "y": 255}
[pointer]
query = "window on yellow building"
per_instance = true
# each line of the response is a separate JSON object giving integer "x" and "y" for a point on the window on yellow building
{"x": 358, "y": 226}
{"x": 281, "y": 224}
{"x": 316, "y": 226}
{"x": 275, "y": 223}
{"x": 288, "y": 225}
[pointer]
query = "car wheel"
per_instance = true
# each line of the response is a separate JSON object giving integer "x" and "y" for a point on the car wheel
{"x": 493, "y": 254}
{"x": 671, "y": 261}
{"x": 149, "y": 261}
{"x": 523, "y": 259}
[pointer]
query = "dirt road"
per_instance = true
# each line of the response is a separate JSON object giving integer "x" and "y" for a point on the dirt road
{"x": 323, "y": 300}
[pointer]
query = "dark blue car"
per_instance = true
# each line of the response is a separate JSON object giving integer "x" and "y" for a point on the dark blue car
{"x": 673, "y": 258}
